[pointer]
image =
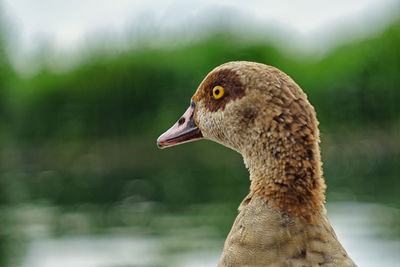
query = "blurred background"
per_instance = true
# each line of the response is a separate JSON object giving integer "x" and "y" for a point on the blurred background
{"x": 86, "y": 87}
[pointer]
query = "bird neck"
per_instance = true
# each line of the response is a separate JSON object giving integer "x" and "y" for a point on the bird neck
{"x": 288, "y": 173}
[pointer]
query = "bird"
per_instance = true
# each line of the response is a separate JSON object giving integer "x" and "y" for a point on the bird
{"x": 263, "y": 114}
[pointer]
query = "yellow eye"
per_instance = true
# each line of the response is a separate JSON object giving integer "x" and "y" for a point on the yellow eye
{"x": 218, "y": 92}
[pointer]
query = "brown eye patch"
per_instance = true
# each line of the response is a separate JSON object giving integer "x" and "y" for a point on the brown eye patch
{"x": 229, "y": 80}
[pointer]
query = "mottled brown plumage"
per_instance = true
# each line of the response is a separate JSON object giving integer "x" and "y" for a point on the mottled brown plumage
{"x": 277, "y": 128}
{"x": 265, "y": 116}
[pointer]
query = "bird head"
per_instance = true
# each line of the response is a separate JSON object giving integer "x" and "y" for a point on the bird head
{"x": 241, "y": 103}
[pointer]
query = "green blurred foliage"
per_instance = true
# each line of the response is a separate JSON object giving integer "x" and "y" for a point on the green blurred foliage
{"x": 139, "y": 92}
{"x": 88, "y": 135}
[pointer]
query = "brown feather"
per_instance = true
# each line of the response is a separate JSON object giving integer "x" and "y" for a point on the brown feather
{"x": 267, "y": 118}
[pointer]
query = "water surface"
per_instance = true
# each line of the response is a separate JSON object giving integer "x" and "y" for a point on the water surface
{"x": 369, "y": 232}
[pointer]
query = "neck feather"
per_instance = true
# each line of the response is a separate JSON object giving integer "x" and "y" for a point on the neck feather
{"x": 286, "y": 169}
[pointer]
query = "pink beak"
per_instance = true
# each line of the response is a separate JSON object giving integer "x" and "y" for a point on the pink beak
{"x": 183, "y": 131}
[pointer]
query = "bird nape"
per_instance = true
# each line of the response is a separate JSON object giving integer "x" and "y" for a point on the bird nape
{"x": 260, "y": 112}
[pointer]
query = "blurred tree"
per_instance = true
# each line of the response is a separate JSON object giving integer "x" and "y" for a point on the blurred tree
{"x": 4, "y": 70}
{"x": 124, "y": 95}
{"x": 137, "y": 94}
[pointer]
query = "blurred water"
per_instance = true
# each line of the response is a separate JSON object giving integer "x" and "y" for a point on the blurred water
{"x": 369, "y": 232}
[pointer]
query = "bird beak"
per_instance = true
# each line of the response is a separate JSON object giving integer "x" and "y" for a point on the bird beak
{"x": 183, "y": 131}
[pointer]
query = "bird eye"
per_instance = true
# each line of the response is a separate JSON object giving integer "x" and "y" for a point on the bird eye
{"x": 218, "y": 92}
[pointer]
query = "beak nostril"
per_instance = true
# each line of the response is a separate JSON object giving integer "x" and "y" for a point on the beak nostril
{"x": 181, "y": 121}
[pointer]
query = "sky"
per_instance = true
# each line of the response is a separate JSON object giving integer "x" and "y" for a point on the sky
{"x": 67, "y": 26}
